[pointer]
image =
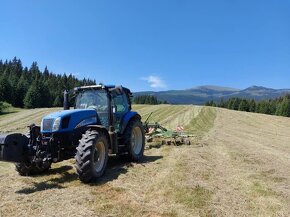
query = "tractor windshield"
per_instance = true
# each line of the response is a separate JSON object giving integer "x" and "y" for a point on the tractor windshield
{"x": 92, "y": 99}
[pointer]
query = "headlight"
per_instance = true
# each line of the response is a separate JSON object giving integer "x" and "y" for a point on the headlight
{"x": 46, "y": 124}
{"x": 56, "y": 124}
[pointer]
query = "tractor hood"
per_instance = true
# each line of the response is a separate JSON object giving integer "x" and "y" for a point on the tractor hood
{"x": 68, "y": 120}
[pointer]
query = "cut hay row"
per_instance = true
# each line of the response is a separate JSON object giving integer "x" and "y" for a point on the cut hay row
{"x": 18, "y": 122}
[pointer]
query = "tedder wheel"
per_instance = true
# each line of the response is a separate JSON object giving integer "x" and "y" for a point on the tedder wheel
{"x": 27, "y": 168}
{"x": 92, "y": 155}
{"x": 134, "y": 138}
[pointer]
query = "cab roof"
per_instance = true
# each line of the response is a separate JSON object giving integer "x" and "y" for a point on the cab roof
{"x": 109, "y": 88}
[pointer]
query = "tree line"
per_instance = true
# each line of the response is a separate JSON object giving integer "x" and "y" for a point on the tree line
{"x": 32, "y": 88}
{"x": 4, "y": 106}
{"x": 148, "y": 99}
{"x": 279, "y": 106}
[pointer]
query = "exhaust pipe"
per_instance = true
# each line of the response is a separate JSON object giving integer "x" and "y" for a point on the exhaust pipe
{"x": 13, "y": 147}
{"x": 65, "y": 100}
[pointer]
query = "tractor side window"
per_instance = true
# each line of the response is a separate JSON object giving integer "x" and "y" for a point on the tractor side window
{"x": 121, "y": 103}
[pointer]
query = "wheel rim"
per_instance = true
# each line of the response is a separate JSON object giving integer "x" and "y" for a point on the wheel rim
{"x": 136, "y": 140}
{"x": 99, "y": 156}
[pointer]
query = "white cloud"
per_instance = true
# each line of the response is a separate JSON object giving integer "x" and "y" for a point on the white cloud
{"x": 155, "y": 81}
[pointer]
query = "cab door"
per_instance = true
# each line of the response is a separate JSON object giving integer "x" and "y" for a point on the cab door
{"x": 121, "y": 107}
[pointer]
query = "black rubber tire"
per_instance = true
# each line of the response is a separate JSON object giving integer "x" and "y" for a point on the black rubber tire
{"x": 85, "y": 155}
{"x": 27, "y": 169}
{"x": 128, "y": 136}
{"x": 187, "y": 142}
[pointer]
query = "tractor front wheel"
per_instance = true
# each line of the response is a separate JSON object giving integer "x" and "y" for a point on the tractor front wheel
{"x": 92, "y": 155}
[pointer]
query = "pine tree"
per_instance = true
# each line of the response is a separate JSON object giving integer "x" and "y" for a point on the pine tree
{"x": 244, "y": 105}
{"x": 5, "y": 90}
{"x": 283, "y": 108}
{"x": 207, "y": 103}
{"x": 32, "y": 97}
{"x": 230, "y": 103}
{"x": 272, "y": 107}
{"x": 37, "y": 96}
{"x": 146, "y": 99}
{"x": 263, "y": 107}
{"x": 222, "y": 103}
{"x": 1, "y": 107}
{"x": 58, "y": 102}
{"x": 19, "y": 80}
{"x": 236, "y": 104}
{"x": 20, "y": 92}
{"x": 252, "y": 106}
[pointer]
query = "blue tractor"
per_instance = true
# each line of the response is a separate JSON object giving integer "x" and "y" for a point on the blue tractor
{"x": 100, "y": 124}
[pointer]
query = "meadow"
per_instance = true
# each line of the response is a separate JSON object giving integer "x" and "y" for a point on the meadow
{"x": 237, "y": 166}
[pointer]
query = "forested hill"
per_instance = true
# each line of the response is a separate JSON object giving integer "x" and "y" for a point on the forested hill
{"x": 202, "y": 94}
{"x": 31, "y": 88}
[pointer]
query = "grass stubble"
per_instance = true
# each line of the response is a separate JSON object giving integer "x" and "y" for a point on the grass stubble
{"x": 237, "y": 166}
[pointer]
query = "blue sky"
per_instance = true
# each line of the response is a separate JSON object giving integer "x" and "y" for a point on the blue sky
{"x": 153, "y": 44}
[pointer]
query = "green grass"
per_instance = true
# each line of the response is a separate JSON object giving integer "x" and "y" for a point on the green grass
{"x": 258, "y": 190}
{"x": 159, "y": 112}
{"x": 9, "y": 110}
{"x": 18, "y": 119}
{"x": 203, "y": 122}
{"x": 193, "y": 197}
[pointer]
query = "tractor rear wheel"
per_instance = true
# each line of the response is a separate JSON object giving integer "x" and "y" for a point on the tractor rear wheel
{"x": 92, "y": 155}
{"x": 134, "y": 138}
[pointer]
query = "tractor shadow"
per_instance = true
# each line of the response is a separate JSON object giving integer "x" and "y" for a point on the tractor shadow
{"x": 120, "y": 165}
{"x": 50, "y": 183}
{"x": 115, "y": 167}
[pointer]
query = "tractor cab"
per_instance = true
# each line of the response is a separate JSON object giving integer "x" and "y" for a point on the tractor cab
{"x": 111, "y": 103}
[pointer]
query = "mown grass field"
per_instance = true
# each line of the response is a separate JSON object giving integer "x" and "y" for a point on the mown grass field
{"x": 237, "y": 166}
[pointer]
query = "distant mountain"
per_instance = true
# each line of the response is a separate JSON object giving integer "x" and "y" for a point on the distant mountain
{"x": 215, "y": 88}
{"x": 200, "y": 95}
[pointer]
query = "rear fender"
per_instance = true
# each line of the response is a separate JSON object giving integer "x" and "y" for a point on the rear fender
{"x": 13, "y": 147}
{"x": 127, "y": 118}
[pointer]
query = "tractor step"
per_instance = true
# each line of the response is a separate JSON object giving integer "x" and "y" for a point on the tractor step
{"x": 122, "y": 149}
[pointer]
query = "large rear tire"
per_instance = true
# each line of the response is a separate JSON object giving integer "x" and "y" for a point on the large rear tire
{"x": 134, "y": 138}
{"x": 92, "y": 155}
